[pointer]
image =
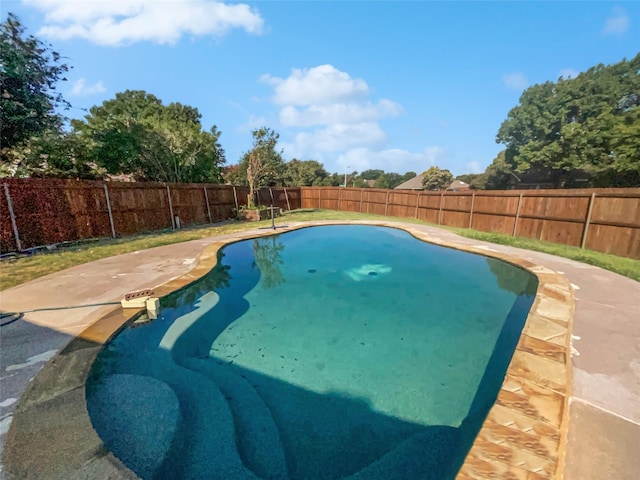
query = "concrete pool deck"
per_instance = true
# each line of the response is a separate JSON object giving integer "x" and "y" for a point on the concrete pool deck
{"x": 50, "y": 435}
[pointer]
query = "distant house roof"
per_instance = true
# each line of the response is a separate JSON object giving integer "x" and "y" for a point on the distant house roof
{"x": 370, "y": 183}
{"x": 458, "y": 185}
{"x": 414, "y": 183}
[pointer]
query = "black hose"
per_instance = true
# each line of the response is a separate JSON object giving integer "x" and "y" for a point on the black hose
{"x": 14, "y": 316}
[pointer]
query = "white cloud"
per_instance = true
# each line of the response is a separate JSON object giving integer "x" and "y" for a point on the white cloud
{"x": 334, "y": 138}
{"x": 617, "y": 23}
{"x": 81, "y": 89}
{"x": 323, "y": 84}
{"x": 253, "y": 123}
{"x": 328, "y": 116}
{"x": 515, "y": 81}
{"x": 474, "y": 167}
{"x": 119, "y": 22}
{"x": 567, "y": 73}
{"x": 391, "y": 160}
{"x": 324, "y": 114}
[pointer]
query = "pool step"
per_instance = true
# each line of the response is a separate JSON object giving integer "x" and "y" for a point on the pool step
{"x": 257, "y": 436}
{"x": 207, "y": 435}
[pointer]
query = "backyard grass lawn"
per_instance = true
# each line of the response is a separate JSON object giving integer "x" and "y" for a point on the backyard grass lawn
{"x": 18, "y": 270}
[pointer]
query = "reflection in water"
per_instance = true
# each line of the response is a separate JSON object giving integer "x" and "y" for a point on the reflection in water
{"x": 267, "y": 253}
{"x": 512, "y": 278}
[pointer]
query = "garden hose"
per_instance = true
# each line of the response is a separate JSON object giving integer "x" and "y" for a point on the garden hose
{"x": 14, "y": 316}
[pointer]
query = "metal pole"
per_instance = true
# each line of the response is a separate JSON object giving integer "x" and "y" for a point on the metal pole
{"x": 287, "y": 198}
{"x": 473, "y": 199}
{"x": 106, "y": 195}
{"x": 588, "y": 220}
{"x": 271, "y": 195}
{"x": 14, "y": 225}
{"x": 235, "y": 200}
{"x": 515, "y": 224}
{"x": 206, "y": 199}
{"x": 173, "y": 220}
{"x": 417, "y": 205}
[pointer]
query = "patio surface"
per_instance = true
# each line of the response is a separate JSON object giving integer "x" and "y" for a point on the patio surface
{"x": 518, "y": 440}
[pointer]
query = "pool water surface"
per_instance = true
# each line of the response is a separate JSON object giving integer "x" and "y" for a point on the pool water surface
{"x": 328, "y": 352}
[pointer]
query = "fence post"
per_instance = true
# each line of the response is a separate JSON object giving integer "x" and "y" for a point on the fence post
{"x": 235, "y": 200}
{"x": 515, "y": 224}
{"x": 441, "y": 204}
{"x": 588, "y": 220}
{"x": 287, "y": 199}
{"x": 320, "y": 198}
{"x": 106, "y": 196}
{"x": 206, "y": 199}
{"x": 173, "y": 220}
{"x": 14, "y": 225}
{"x": 386, "y": 203}
{"x": 473, "y": 199}
{"x": 417, "y": 206}
{"x": 361, "y": 195}
{"x": 339, "y": 199}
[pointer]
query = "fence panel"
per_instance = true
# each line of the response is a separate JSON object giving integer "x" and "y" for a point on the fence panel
{"x": 52, "y": 210}
{"x": 561, "y": 216}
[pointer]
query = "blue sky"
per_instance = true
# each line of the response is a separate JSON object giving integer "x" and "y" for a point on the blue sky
{"x": 363, "y": 84}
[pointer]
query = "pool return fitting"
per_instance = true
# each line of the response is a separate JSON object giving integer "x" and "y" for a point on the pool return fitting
{"x": 142, "y": 299}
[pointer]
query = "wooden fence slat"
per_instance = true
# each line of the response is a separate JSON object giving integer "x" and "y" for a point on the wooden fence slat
{"x": 12, "y": 215}
{"x": 515, "y": 223}
{"x": 587, "y": 221}
{"x": 106, "y": 196}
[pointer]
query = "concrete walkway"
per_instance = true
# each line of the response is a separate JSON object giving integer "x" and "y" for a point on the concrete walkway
{"x": 604, "y": 428}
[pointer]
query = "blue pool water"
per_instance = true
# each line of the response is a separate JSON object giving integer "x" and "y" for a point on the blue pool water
{"x": 335, "y": 352}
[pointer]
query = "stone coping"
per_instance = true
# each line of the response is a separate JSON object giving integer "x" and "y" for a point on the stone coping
{"x": 523, "y": 437}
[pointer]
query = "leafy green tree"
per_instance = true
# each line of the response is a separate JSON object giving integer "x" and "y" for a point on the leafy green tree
{"x": 371, "y": 174}
{"x": 436, "y": 179}
{"x": 408, "y": 176}
{"x": 471, "y": 178}
{"x": 29, "y": 72}
{"x": 589, "y": 123}
{"x": 50, "y": 154}
{"x": 136, "y": 134}
{"x": 304, "y": 173}
{"x": 264, "y": 165}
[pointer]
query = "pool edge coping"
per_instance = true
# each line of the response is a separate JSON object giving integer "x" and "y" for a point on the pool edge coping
{"x": 61, "y": 382}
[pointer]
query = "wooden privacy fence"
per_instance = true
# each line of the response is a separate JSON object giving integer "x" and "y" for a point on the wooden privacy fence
{"x": 36, "y": 212}
{"x": 605, "y": 220}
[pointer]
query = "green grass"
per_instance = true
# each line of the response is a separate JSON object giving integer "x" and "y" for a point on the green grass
{"x": 628, "y": 267}
{"x": 22, "y": 269}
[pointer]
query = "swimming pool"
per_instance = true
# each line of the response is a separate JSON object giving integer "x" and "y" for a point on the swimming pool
{"x": 327, "y": 352}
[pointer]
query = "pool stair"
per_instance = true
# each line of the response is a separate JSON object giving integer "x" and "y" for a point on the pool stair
{"x": 257, "y": 435}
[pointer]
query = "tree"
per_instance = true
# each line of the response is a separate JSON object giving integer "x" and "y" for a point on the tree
{"x": 371, "y": 174}
{"x": 50, "y": 154}
{"x": 264, "y": 165}
{"x": 29, "y": 72}
{"x": 303, "y": 173}
{"x": 589, "y": 123}
{"x": 136, "y": 134}
{"x": 436, "y": 179}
